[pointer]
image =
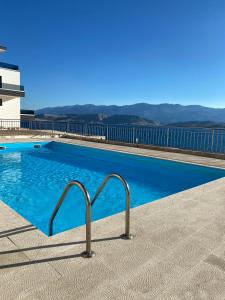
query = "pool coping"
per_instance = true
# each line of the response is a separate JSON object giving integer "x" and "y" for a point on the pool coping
{"x": 139, "y": 153}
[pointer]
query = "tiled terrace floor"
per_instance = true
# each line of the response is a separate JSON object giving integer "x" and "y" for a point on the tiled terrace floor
{"x": 178, "y": 251}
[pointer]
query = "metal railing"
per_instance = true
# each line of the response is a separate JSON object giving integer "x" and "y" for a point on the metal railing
{"x": 10, "y": 124}
{"x": 208, "y": 140}
{"x": 88, "y": 252}
{"x": 127, "y": 234}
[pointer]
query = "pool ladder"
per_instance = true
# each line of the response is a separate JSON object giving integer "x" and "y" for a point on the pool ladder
{"x": 88, "y": 203}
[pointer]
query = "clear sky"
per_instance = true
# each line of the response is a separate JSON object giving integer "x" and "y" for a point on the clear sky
{"x": 117, "y": 51}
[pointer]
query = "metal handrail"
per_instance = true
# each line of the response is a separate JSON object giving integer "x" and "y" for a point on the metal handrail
{"x": 127, "y": 234}
{"x": 88, "y": 253}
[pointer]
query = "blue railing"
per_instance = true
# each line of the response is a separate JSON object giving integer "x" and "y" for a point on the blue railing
{"x": 209, "y": 140}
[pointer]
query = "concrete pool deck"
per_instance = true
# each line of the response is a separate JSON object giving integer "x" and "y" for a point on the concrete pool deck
{"x": 178, "y": 251}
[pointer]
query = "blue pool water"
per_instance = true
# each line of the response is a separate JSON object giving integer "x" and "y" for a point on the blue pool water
{"x": 32, "y": 180}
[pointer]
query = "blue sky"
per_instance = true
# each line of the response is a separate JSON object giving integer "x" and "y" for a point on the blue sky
{"x": 117, "y": 51}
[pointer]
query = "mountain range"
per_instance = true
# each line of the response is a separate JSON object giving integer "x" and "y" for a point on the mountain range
{"x": 97, "y": 118}
{"x": 162, "y": 113}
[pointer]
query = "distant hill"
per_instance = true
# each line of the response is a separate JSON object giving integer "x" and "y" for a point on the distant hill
{"x": 127, "y": 119}
{"x": 86, "y": 118}
{"x": 163, "y": 113}
{"x": 97, "y": 118}
{"x": 194, "y": 124}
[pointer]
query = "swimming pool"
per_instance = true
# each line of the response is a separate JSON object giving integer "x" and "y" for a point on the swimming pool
{"x": 32, "y": 180}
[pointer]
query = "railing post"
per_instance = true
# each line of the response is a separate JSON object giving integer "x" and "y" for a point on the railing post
{"x": 133, "y": 135}
{"x": 212, "y": 144}
{"x": 88, "y": 253}
{"x": 67, "y": 127}
{"x": 107, "y": 132}
{"x": 167, "y": 137}
{"x": 127, "y": 234}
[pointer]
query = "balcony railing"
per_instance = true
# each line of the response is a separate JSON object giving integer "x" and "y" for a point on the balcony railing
{"x": 12, "y": 87}
{"x": 9, "y": 66}
{"x": 11, "y": 90}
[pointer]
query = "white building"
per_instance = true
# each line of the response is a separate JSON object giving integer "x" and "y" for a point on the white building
{"x": 10, "y": 91}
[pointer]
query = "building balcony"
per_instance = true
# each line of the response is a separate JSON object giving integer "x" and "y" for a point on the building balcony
{"x": 10, "y": 91}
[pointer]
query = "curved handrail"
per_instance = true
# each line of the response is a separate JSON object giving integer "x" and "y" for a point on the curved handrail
{"x": 88, "y": 252}
{"x": 127, "y": 234}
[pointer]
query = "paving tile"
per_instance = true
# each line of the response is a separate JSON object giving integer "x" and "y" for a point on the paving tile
{"x": 219, "y": 251}
{"x": 22, "y": 279}
{"x": 204, "y": 282}
{"x": 154, "y": 278}
{"x": 127, "y": 256}
{"x": 216, "y": 261}
{"x": 189, "y": 253}
{"x": 13, "y": 222}
{"x": 114, "y": 292}
{"x": 8, "y": 259}
{"x": 168, "y": 236}
{"x": 77, "y": 284}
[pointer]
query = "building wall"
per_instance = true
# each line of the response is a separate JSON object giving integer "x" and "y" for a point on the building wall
{"x": 10, "y": 76}
{"x": 10, "y": 108}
